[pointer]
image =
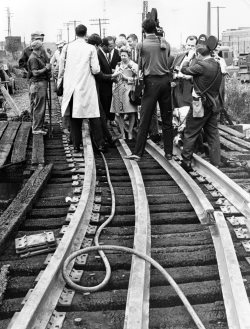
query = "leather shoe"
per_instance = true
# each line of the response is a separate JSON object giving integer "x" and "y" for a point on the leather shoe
{"x": 186, "y": 166}
{"x": 168, "y": 156}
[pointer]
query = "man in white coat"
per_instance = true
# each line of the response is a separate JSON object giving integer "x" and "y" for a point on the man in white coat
{"x": 78, "y": 64}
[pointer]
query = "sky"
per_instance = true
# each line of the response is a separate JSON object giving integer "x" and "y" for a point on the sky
{"x": 179, "y": 18}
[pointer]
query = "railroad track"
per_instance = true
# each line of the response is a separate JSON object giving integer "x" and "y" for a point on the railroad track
{"x": 161, "y": 212}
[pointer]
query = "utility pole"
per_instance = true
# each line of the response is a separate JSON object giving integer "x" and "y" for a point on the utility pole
{"x": 9, "y": 15}
{"x": 218, "y": 21}
{"x": 144, "y": 10}
{"x": 59, "y": 35}
{"x": 104, "y": 17}
{"x": 74, "y": 22}
{"x": 67, "y": 26}
{"x": 208, "y": 18}
{"x": 100, "y": 22}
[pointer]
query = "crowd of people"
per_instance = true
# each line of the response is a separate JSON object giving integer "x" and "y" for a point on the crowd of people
{"x": 100, "y": 76}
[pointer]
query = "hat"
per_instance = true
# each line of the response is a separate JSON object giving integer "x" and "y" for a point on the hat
{"x": 60, "y": 43}
{"x": 36, "y": 44}
{"x": 37, "y": 35}
{"x": 202, "y": 40}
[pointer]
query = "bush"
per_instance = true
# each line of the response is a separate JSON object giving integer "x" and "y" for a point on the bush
{"x": 237, "y": 100}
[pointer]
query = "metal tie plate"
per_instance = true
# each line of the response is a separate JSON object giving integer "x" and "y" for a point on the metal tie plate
{"x": 223, "y": 202}
{"x": 96, "y": 207}
{"x": 246, "y": 245}
{"x": 201, "y": 179}
{"x": 98, "y": 199}
{"x": 242, "y": 233}
{"x": 76, "y": 183}
{"x": 81, "y": 259}
{"x": 75, "y": 177}
{"x": 95, "y": 217}
{"x": 86, "y": 243}
{"x": 56, "y": 320}
{"x": 209, "y": 187}
{"x": 76, "y": 275}
{"x": 91, "y": 229}
{"x": 35, "y": 240}
{"x": 77, "y": 190}
{"x": 66, "y": 297}
{"x": 74, "y": 199}
{"x": 236, "y": 220}
{"x": 229, "y": 209}
{"x": 194, "y": 173}
{"x": 72, "y": 208}
{"x": 215, "y": 194}
{"x": 98, "y": 189}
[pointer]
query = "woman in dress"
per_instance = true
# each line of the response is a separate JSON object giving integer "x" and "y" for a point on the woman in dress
{"x": 126, "y": 73}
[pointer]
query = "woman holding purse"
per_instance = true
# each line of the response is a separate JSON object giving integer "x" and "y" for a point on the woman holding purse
{"x": 126, "y": 73}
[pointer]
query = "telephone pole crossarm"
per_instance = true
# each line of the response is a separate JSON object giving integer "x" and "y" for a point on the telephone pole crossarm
{"x": 100, "y": 22}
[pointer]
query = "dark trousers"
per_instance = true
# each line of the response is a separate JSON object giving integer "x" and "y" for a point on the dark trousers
{"x": 157, "y": 88}
{"x": 193, "y": 128}
{"x": 76, "y": 129}
{"x": 106, "y": 99}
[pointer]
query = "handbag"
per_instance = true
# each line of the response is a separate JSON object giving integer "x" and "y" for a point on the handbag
{"x": 135, "y": 95}
{"x": 59, "y": 88}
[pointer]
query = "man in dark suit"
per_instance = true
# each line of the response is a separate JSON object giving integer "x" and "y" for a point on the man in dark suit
{"x": 182, "y": 90}
{"x": 108, "y": 59}
{"x": 183, "y": 84}
{"x": 115, "y": 57}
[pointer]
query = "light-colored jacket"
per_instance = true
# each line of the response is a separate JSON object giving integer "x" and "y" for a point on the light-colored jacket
{"x": 80, "y": 65}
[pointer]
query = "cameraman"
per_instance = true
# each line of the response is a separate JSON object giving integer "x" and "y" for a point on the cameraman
{"x": 157, "y": 78}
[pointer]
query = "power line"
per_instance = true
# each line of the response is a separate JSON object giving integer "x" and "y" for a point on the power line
{"x": 100, "y": 22}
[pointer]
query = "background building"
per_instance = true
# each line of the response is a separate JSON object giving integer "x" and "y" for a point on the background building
{"x": 237, "y": 39}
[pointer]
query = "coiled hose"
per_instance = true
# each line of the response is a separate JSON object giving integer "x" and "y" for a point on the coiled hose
{"x": 100, "y": 249}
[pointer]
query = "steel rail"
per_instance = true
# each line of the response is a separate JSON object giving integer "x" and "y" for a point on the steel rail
{"x": 226, "y": 186}
{"x": 203, "y": 208}
{"x": 38, "y": 309}
{"x": 137, "y": 305}
{"x": 234, "y": 293}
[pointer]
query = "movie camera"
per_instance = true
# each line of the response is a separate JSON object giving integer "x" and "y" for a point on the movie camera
{"x": 154, "y": 16}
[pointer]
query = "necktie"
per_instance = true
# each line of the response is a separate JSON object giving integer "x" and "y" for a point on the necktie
{"x": 109, "y": 57}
